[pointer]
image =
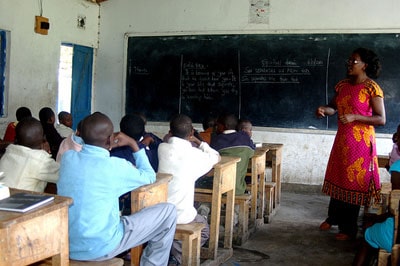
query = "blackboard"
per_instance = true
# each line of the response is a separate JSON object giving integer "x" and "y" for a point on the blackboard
{"x": 274, "y": 80}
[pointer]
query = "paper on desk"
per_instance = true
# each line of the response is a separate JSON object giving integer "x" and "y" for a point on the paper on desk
{"x": 4, "y": 191}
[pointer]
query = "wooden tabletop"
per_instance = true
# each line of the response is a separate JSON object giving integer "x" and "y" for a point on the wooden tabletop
{"x": 8, "y": 218}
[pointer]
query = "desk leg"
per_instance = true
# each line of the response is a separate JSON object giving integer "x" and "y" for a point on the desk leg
{"x": 214, "y": 226}
{"x": 276, "y": 174}
{"x": 261, "y": 198}
{"x": 230, "y": 203}
{"x": 62, "y": 259}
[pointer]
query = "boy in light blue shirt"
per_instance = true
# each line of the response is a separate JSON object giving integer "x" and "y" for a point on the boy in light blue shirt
{"x": 94, "y": 181}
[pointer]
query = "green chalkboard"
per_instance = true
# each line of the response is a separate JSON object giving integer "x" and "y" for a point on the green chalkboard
{"x": 273, "y": 80}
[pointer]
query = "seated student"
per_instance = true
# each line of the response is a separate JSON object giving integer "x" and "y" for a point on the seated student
{"x": 381, "y": 233}
{"x": 230, "y": 142}
{"x": 186, "y": 164}
{"x": 209, "y": 129}
{"x": 47, "y": 118}
{"x": 21, "y": 113}
{"x": 246, "y": 126}
{"x": 72, "y": 142}
{"x": 26, "y": 164}
{"x": 94, "y": 180}
{"x": 149, "y": 139}
{"x": 195, "y": 133}
{"x": 64, "y": 128}
{"x": 133, "y": 126}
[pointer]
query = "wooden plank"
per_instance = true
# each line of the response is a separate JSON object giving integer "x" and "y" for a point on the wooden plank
{"x": 146, "y": 196}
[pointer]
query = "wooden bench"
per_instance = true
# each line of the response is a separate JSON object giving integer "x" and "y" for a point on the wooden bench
{"x": 241, "y": 231}
{"x": 270, "y": 188}
{"x": 190, "y": 235}
{"x": 110, "y": 262}
{"x": 224, "y": 181}
{"x": 274, "y": 161}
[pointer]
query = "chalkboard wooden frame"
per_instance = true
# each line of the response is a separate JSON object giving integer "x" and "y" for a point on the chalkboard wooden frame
{"x": 275, "y": 80}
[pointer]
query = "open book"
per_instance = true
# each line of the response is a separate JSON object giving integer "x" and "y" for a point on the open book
{"x": 23, "y": 202}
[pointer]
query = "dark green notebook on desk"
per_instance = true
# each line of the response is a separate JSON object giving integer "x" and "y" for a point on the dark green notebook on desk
{"x": 23, "y": 202}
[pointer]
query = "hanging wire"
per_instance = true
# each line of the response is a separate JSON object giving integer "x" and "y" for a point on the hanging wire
{"x": 41, "y": 7}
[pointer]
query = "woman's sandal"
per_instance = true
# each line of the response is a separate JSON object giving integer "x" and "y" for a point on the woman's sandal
{"x": 342, "y": 237}
{"x": 325, "y": 226}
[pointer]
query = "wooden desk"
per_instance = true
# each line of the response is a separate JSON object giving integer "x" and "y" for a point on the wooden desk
{"x": 256, "y": 170}
{"x": 383, "y": 160}
{"x": 224, "y": 182}
{"x": 145, "y": 196}
{"x": 274, "y": 158}
{"x": 33, "y": 236}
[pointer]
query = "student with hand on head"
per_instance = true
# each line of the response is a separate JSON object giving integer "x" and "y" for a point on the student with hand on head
{"x": 64, "y": 128}
{"x": 150, "y": 139}
{"x": 26, "y": 164}
{"x": 94, "y": 181}
{"x": 133, "y": 126}
{"x": 186, "y": 164}
{"x": 21, "y": 113}
{"x": 47, "y": 118}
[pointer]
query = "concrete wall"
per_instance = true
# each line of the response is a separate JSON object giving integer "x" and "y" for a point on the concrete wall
{"x": 306, "y": 152}
{"x": 34, "y": 58}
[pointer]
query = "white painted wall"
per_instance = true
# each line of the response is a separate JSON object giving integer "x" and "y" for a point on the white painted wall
{"x": 34, "y": 58}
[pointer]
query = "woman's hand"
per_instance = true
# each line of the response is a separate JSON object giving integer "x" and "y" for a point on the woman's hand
{"x": 347, "y": 118}
{"x": 320, "y": 111}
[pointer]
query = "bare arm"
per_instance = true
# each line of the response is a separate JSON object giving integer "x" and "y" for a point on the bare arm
{"x": 329, "y": 109}
{"x": 378, "y": 117}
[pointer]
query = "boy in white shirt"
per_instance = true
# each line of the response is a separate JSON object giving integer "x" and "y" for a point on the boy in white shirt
{"x": 26, "y": 164}
{"x": 186, "y": 164}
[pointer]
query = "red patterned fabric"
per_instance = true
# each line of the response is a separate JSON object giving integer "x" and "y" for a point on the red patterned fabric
{"x": 352, "y": 174}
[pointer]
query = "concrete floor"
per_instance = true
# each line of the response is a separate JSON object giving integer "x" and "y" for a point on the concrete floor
{"x": 293, "y": 237}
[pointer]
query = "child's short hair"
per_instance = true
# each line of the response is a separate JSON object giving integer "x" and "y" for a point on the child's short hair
{"x": 29, "y": 133}
{"x": 45, "y": 114}
{"x": 132, "y": 125}
{"x": 63, "y": 115}
{"x": 181, "y": 126}
{"x": 23, "y": 112}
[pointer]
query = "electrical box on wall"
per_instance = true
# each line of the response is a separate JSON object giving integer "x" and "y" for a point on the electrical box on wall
{"x": 42, "y": 25}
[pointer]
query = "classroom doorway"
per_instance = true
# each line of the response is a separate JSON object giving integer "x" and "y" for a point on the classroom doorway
{"x": 75, "y": 81}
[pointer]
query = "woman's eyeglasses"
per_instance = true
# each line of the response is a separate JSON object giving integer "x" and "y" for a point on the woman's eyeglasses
{"x": 353, "y": 61}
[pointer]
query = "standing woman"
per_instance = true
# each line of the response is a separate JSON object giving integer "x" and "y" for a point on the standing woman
{"x": 352, "y": 176}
